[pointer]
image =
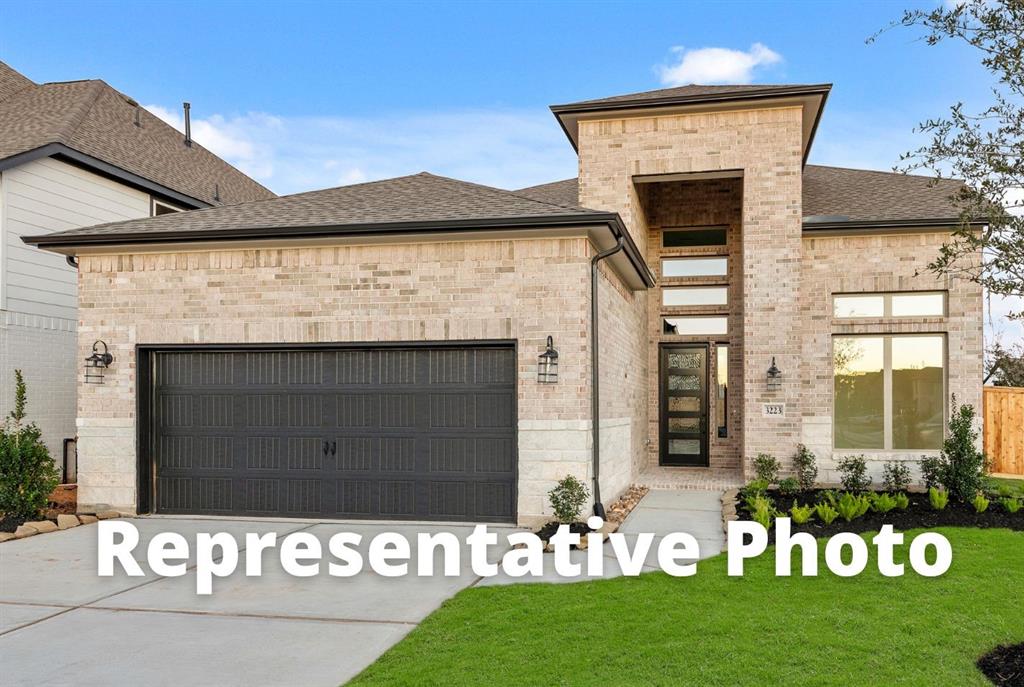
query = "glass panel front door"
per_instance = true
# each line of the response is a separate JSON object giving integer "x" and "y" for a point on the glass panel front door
{"x": 684, "y": 405}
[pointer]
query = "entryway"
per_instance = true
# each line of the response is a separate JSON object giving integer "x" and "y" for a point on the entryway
{"x": 684, "y": 405}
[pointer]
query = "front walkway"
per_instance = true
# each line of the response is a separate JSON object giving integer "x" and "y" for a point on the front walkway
{"x": 693, "y": 479}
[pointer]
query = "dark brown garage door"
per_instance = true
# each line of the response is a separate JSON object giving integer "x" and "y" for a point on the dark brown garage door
{"x": 390, "y": 433}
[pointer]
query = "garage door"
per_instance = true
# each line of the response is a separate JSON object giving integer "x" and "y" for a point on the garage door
{"x": 388, "y": 433}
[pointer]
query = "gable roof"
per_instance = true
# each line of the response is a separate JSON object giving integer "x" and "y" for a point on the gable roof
{"x": 838, "y": 196}
{"x": 91, "y": 121}
{"x": 695, "y": 97}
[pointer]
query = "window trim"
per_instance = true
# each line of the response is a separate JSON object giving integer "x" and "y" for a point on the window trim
{"x": 887, "y": 399}
{"x": 689, "y": 258}
{"x": 887, "y": 297}
{"x": 154, "y": 202}
{"x": 724, "y": 288}
{"x": 703, "y": 334}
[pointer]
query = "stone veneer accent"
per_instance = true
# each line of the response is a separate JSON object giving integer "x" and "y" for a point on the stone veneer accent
{"x": 892, "y": 262}
{"x": 448, "y": 291}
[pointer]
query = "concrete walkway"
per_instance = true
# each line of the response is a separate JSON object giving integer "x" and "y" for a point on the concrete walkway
{"x": 62, "y": 624}
{"x": 660, "y": 512}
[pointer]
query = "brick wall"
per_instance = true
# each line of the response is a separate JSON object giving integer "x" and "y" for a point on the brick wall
{"x": 512, "y": 289}
{"x": 884, "y": 263}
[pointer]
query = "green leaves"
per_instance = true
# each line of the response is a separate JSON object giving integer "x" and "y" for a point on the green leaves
{"x": 567, "y": 499}
{"x": 27, "y": 473}
{"x": 826, "y": 513}
{"x": 938, "y": 498}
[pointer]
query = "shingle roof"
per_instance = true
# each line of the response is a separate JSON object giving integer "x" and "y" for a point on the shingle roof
{"x": 836, "y": 193}
{"x": 94, "y": 119}
{"x": 420, "y": 199}
{"x": 692, "y": 92}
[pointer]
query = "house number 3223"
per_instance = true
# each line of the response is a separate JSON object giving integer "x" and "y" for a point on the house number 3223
{"x": 774, "y": 409}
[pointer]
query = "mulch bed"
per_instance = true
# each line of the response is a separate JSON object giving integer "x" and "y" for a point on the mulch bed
{"x": 615, "y": 514}
{"x": 1004, "y": 665}
{"x": 64, "y": 499}
{"x": 919, "y": 515}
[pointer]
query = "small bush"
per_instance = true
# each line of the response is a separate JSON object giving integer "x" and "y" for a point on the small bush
{"x": 980, "y": 503}
{"x": 27, "y": 473}
{"x": 1011, "y": 505}
{"x": 931, "y": 471}
{"x": 960, "y": 466}
{"x": 902, "y": 501}
{"x": 766, "y": 468}
{"x": 851, "y": 506}
{"x": 938, "y": 498}
{"x": 895, "y": 476}
{"x": 788, "y": 486}
{"x": 1004, "y": 491}
{"x": 756, "y": 502}
{"x": 764, "y": 512}
{"x": 829, "y": 496}
{"x": 826, "y": 513}
{"x": 567, "y": 499}
{"x": 806, "y": 467}
{"x": 756, "y": 486}
{"x": 854, "y": 471}
{"x": 800, "y": 514}
{"x": 882, "y": 503}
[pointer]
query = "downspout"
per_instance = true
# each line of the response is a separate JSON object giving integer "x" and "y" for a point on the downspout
{"x": 595, "y": 384}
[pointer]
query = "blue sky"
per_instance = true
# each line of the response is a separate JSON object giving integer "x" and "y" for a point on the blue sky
{"x": 307, "y": 95}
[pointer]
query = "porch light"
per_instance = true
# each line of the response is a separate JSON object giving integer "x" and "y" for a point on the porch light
{"x": 774, "y": 376}
{"x": 96, "y": 363}
{"x": 547, "y": 365}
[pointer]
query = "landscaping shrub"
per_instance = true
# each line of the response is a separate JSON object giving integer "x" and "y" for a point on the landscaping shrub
{"x": 764, "y": 512}
{"x": 960, "y": 466}
{"x": 895, "y": 476}
{"x": 829, "y": 496}
{"x": 980, "y": 503}
{"x": 902, "y": 501}
{"x": 567, "y": 499}
{"x": 854, "y": 470}
{"x": 826, "y": 513}
{"x": 882, "y": 502}
{"x": 788, "y": 486}
{"x": 766, "y": 468}
{"x": 800, "y": 514}
{"x": 27, "y": 473}
{"x": 806, "y": 467}
{"x": 851, "y": 506}
{"x": 1011, "y": 505}
{"x": 938, "y": 498}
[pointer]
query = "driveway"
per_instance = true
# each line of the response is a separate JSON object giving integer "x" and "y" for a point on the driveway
{"x": 62, "y": 624}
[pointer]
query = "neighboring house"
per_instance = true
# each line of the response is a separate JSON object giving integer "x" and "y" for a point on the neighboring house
{"x": 377, "y": 350}
{"x": 74, "y": 154}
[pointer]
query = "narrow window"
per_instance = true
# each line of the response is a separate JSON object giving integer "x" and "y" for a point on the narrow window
{"x": 917, "y": 394}
{"x": 693, "y": 236}
{"x": 695, "y": 326}
{"x": 923, "y": 304}
{"x": 722, "y": 407}
{"x": 694, "y": 267}
{"x": 694, "y": 295}
{"x": 859, "y": 306}
{"x": 918, "y": 305}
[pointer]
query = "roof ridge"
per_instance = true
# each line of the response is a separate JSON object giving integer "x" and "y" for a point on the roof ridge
{"x": 879, "y": 171}
{"x": 76, "y": 115}
{"x": 511, "y": 193}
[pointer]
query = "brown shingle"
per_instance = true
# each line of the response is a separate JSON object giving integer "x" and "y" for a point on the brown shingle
{"x": 689, "y": 93}
{"x": 95, "y": 119}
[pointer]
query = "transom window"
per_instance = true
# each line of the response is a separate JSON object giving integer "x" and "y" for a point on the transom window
{"x": 918, "y": 304}
{"x": 689, "y": 237}
{"x": 694, "y": 267}
{"x": 694, "y": 295}
{"x": 695, "y": 326}
{"x": 889, "y": 392}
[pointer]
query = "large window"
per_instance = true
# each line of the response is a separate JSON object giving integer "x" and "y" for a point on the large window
{"x": 889, "y": 392}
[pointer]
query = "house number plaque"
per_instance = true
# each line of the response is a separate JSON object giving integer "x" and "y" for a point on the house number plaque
{"x": 773, "y": 409}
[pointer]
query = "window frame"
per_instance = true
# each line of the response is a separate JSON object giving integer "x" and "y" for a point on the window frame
{"x": 724, "y": 228}
{"x": 691, "y": 258}
{"x": 162, "y": 203}
{"x": 723, "y": 288}
{"x": 887, "y": 298}
{"x": 887, "y": 391}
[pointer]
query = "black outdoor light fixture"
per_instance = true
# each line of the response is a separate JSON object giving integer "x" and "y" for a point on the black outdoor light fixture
{"x": 774, "y": 376}
{"x": 96, "y": 363}
{"x": 547, "y": 365}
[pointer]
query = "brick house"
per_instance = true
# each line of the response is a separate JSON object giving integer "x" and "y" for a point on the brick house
{"x": 378, "y": 350}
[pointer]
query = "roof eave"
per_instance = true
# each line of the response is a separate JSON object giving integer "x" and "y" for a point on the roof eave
{"x": 942, "y": 223}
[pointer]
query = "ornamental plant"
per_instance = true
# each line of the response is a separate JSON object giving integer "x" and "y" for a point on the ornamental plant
{"x": 766, "y": 467}
{"x": 826, "y": 513}
{"x": 27, "y": 473}
{"x": 800, "y": 514}
{"x": 788, "y": 486}
{"x": 854, "y": 471}
{"x": 895, "y": 476}
{"x": 902, "y": 501}
{"x": 1011, "y": 505}
{"x": 851, "y": 507}
{"x": 938, "y": 498}
{"x": 960, "y": 466}
{"x": 806, "y": 467}
{"x": 980, "y": 503}
{"x": 882, "y": 502}
{"x": 568, "y": 498}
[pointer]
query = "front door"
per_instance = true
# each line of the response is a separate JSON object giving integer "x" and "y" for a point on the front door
{"x": 684, "y": 405}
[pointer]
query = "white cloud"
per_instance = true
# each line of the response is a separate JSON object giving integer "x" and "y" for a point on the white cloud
{"x": 716, "y": 65}
{"x": 504, "y": 148}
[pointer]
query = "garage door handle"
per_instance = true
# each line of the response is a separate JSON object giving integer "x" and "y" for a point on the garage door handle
{"x": 334, "y": 448}
{"x": 327, "y": 447}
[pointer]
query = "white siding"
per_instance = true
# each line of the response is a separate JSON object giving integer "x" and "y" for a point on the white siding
{"x": 45, "y": 196}
{"x": 38, "y": 302}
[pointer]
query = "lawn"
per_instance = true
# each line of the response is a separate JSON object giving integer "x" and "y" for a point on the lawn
{"x": 714, "y": 630}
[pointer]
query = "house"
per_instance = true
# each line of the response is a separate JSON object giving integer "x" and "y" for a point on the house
{"x": 74, "y": 154}
{"x": 430, "y": 349}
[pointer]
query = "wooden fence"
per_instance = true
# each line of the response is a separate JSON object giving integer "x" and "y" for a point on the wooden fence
{"x": 1003, "y": 407}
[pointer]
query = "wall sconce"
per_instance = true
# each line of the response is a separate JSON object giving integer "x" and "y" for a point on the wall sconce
{"x": 774, "y": 376}
{"x": 96, "y": 363}
{"x": 547, "y": 365}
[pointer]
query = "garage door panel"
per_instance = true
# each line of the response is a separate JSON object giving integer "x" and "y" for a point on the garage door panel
{"x": 388, "y": 433}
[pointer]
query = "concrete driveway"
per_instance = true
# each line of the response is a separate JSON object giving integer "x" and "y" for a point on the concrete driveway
{"x": 62, "y": 624}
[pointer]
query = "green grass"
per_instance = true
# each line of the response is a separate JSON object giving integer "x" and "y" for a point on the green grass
{"x": 1017, "y": 485}
{"x": 710, "y": 629}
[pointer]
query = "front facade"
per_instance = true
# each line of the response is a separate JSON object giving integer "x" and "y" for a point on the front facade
{"x": 372, "y": 351}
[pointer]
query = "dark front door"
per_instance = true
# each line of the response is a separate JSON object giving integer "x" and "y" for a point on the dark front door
{"x": 419, "y": 433}
{"x": 684, "y": 405}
